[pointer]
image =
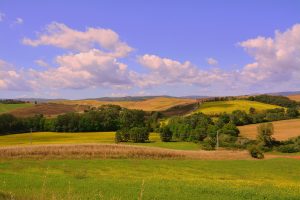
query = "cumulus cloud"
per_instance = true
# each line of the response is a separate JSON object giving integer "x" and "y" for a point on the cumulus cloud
{"x": 83, "y": 70}
{"x": 60, "y": 35}
{"x": 168, "y": 71}
{"x": 275, "y": 59}
{"x": 11, "y": 78}
{"x": 212, "y": 61}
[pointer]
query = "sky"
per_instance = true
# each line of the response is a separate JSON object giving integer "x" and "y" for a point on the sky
{"x": 88, "y": 48}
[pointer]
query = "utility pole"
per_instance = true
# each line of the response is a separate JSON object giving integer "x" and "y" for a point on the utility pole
{"x": 217, "y": 139}
{"x": 31, "y": 136}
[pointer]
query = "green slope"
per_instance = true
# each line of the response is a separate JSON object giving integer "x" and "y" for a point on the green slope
{"x": 9, "y": 107}
{"x": 217, "y": 107}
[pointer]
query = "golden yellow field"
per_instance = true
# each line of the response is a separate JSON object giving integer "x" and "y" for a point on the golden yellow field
{"x": 295, "y": 97}
{"x": 154, "y": 104}
{"x": 283, "y": 130}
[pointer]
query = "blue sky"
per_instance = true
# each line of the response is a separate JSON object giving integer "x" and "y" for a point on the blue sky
{"x": 173, "y": 48}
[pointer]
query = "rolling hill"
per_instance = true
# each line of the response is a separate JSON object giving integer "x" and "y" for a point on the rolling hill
{"x": 295, "y": 97}
{"x": 10, "y": 107}
{"x": 152, "y": 104}
{"x": 283, "y": 130}
{"x": 217, "y": 107}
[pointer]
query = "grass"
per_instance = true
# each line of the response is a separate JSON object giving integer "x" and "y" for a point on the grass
{"x": 150, "y": 179}
{"x": 217, "y": 107}
{"x": 283, "y": 130}
{"x": 9, "y": 107}
{"x": 153, "y": 104}
{"x": 39, "y": 138}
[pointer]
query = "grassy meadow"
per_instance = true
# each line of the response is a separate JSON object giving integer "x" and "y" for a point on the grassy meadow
{"x": 149, "y": 179}
{"x": 283, "y": 129}
{"x": 39, "y": 138}
{"x": 9, "y": 107}
{"x": 217, "y": 107}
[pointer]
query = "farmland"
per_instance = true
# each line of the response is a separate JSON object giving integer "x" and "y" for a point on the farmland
{"x": 47, "y": 109}
{"x": 149, "y": 179}
{"x": 217, "y": 107}
{"x": 39, "y": 138}
{"x": 283, "y": 130}
{"x": 9, "y": 107}
{"x": 295, "y": 97}
{"x": 152, "y": 104}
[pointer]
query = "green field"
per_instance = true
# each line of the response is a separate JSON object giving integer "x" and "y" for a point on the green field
{"x": 218, "y": 107}
{"x": 80, "y": 138}
{"x": 149, "y": 179}
{"x": 9, "y": 107}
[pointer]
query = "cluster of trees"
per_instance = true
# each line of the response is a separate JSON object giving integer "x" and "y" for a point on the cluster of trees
{"x": 275, "y": 100}
{"x": 200, "y": 128}
{"x": 12, "y": 101}
{"x": 106, "y": 118}
{"x": 240, "y": 118}
{"x": 12, "y": 124}
{"x": 266, "y": 142}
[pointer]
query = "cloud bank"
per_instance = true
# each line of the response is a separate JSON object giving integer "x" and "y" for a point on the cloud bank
{"x": 96, "y": 58}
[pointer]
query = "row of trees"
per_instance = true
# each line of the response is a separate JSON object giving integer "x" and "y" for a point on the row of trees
{"x": 275, "y": 100}
{"x": 240, "y": 118}
{"x": 12, "y": 101}
{"x": 106, "y": 118}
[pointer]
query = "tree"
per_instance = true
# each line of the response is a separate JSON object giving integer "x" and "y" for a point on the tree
{"x": 252, "y": 110}
{"x": 230, "y": 129}
{"x": 165, "y": 134}
{"x": 265, "y": 132}
{"x": 292, "y": 113}
{"x": 139, "y": 134}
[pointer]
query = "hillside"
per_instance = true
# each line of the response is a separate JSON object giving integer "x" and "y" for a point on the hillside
{"x": 9, "y": 107}
{"x": 217, "y": 107}
{"x": 153, "y": 104}
{"x": 283, "y": 130}
{"x": 47, "y": 109}
{"x": 295, "y": 97}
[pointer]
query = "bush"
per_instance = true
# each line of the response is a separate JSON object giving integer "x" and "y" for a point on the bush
{"x": 209, "y": 143}
{"x": 139, "y": 134}
{"x": 265, "y": 132}
{"x": 165, "y": 134}
{"x": 289, "y": 148}
{"x": 255, "y": 152}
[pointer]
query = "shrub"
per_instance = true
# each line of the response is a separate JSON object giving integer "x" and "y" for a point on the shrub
{"x": 255, "y": 152}
{"x": 209, "y": 143}
{"x": 139, "y": 134}
{"x": 289, "y": 148}
{"x": 118, "y": 137}
{"x": 165, "y": 134}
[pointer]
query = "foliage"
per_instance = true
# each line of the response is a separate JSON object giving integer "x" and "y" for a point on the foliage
{"x": 265, "y": 132}
{"x": 165, "y": 134}
{"x": 139, "y": 134}
{"x": 275, "y": 100}
{"x": 255, "y": 152}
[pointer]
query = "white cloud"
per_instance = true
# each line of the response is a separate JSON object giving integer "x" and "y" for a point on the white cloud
{"x": 41, "y": 62}
{"x": 19, "y": 21}
{"x": 2, "y": 15}
{"x": 168, "y": 71}
{"x": 275, "y": 59}
{"x": 11, "y": 78}
{"x": 60, "y": 35}
{"x": 84, "y": 70}
{"x": 212, "y": 61}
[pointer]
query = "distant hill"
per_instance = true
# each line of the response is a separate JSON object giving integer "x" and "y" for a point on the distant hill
{"x": 287, "y": 93}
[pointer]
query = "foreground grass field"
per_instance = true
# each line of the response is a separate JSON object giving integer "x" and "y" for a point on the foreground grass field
{"x": 9, "y": 107}
{"x": 39, "y": 138}
{"x": 283, "y": 130}
{"x": 218, "y": 107}
{"x": 153, "y": 104}
{"x": 149, "y": 179}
